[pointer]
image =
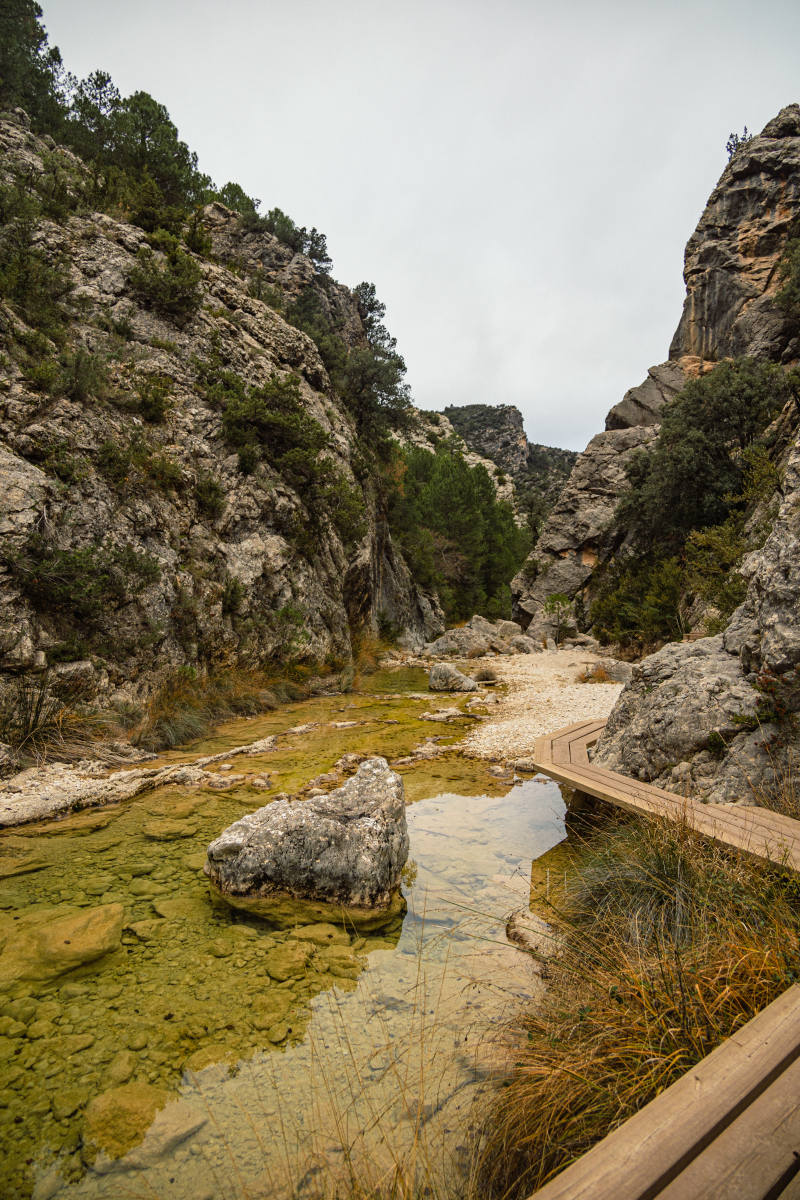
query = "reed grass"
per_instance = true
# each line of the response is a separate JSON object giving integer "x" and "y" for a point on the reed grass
{"x": 187, "y": 706}
{"x": 42, "y": 716}
{"x": 668, "y": 946}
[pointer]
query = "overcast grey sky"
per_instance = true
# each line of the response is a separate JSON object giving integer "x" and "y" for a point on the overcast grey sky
{"x": 517, "y": 177}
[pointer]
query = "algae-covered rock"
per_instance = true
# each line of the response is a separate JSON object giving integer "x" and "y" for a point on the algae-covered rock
{"x": 271, "y": 1008}
{"x": 135, "y": 1126}
{"x": 287, "y": 962}
{"x": 67, "y": 1102}
{"x": 184, "y": 908}
{"x": 48, "y": 943}
{"x": 120, "y": 1069}
{"x": 168, "y": 831}
{"x": 332, "y": 859}
{"x": 117, "y": 1120}
{"x": 322, "y": 935}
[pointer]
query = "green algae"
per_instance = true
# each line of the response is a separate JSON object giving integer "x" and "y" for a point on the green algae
{"x": 189, "y": 984}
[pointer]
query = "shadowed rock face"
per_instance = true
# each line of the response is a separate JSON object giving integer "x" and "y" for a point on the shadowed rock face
{"x": 731, "y": 262}
{"x": 732, "y": 274}
{"x": 343, "y": 851}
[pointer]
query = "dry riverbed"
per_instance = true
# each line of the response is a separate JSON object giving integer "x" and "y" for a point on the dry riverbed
{"x": 541, "y": 693}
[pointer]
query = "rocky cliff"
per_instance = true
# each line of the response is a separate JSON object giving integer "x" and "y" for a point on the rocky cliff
{"x": 732, "y": 274}
{"x": 134, "y": 537}
{"x": 717, "y": 718}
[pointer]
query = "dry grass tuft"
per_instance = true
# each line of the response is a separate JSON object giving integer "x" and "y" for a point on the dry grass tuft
{"x": 596, "y": 674}
{"x": 188, "y": 705}
{"x": 669, "y": 945}
{"x": 44, "y": 717}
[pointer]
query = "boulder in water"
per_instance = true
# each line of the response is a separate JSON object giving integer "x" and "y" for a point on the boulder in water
{"x": 444, "y": 677}
{"x": 334, "y": 858}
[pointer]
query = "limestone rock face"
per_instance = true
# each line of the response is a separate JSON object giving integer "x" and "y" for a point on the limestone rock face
{"x": 578, "y": 531}
{"x": 673, "y": 702}
{"x": 731, "y": 274}
{"x": 339, "y": 854}
{"x": 52, "y": 473}
{"x": 732, "y": 257}
{"x": 444, "y": 677}
{"x": 641, "y": 405}
{"x": 765, "y": 630}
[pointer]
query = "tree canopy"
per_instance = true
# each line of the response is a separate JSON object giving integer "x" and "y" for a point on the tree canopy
{"x": 697, "y": 460}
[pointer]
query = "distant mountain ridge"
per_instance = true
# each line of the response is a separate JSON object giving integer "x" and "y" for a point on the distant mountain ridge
{"x": 496, "y": 432}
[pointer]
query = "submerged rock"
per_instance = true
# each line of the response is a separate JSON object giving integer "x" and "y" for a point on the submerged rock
{"x": 444, "y": 677}
{"x": 51, "y": 942}
{"x": 329, "y": 859}
{"x": 136, "y": 1126}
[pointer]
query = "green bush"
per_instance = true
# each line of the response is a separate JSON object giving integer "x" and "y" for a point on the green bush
{"x": 137, "y": 463}
{"x": 233, "y": 595}
{"x": 270, "y": 423}
{"x": 172, "y": 287}
{"x": 641, "y": 601}
{"x": 83, "y": 376}
{"x": 33, "y": 284}
{"x": 698, "y": 459}
{"x": 196, "y": 237}
{"x": 154, "y": 394}
{"x": 81, "y": 582}
{"x": 210, "y": 495}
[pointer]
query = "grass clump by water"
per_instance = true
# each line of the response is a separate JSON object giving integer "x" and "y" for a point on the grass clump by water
{"x": 44, "y": 717}
{"x": 188, "y": 705}
{"x": 667, "y": 945}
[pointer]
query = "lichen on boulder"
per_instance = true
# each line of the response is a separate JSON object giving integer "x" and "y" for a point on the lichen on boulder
{"x": 329, "y": 859}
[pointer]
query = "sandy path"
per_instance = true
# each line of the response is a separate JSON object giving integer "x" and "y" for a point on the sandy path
{"x": 542, "y": 693}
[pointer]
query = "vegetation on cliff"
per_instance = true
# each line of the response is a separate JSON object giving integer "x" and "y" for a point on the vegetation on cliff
{"x": 691, "y": 504}
{"x": 539, "y": 472}
{"x": 456, "y": 537}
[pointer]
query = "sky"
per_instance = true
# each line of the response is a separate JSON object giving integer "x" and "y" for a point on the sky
{"x": 518, "y": 178}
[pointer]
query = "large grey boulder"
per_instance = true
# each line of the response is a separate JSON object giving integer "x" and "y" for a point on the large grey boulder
{"x": 444, "y": 677}
{"x": 330, "y": 858}
{"x": 461, "y": 642}
{"x": 525, "y": 645}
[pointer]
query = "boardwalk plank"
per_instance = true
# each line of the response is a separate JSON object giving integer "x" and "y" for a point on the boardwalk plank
{"x": 642, "y": 1157}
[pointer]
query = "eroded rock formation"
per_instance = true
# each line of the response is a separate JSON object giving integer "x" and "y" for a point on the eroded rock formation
{"x": 732, "y": 274}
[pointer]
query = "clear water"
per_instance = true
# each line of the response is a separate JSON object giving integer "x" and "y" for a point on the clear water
{"x": 368, "y": 1070}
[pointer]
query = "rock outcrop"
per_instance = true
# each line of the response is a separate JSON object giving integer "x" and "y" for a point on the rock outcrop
{"x": 481, "y": 636}
{"x": 233, "y": 566}
{"x": 661, "y": 728}
{"x": 329, "y": 859}
{"x": 732, "y": 274}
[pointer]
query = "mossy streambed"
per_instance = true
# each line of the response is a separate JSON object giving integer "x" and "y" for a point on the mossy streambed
{"x": 191, "y": 1003}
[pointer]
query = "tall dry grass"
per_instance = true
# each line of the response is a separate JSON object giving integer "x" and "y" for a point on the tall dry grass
{"x": 668, "y": 945}
{"x": 188, "y": 705}
{"x": 45, "y": 717}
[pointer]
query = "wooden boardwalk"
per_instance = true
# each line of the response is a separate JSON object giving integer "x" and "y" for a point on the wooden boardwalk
{"x": 564, "y": 756}
{"x": 729, "y": 1129}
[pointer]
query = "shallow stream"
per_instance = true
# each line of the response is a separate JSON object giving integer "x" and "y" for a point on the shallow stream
{"x": 280, "y": 1084}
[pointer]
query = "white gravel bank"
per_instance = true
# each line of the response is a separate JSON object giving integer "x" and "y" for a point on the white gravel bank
{"x": 541, "y": 694}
